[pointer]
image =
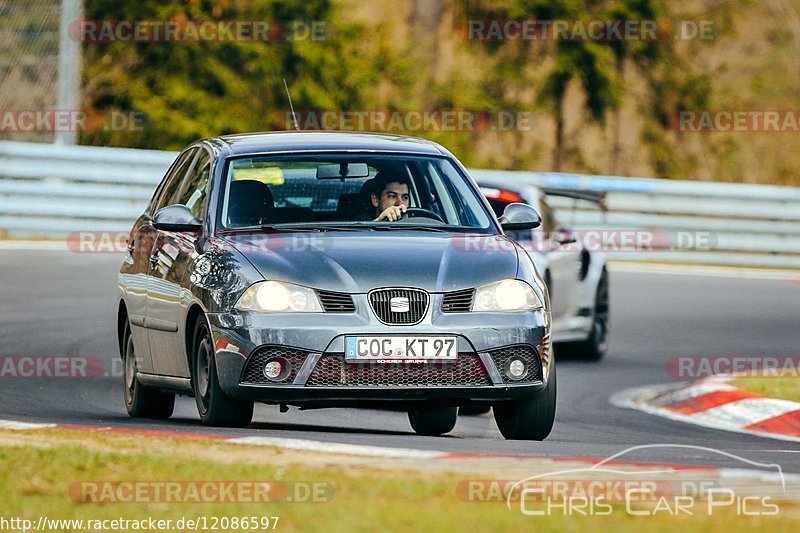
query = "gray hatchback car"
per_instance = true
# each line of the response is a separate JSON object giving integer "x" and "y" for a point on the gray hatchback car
{"x": 328, "y": 269}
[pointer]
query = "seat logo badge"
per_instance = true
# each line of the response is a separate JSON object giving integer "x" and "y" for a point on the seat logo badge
{"x": 399, "y": 304}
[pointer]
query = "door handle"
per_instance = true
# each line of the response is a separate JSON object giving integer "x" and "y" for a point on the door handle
{"x": 564, "y": 237}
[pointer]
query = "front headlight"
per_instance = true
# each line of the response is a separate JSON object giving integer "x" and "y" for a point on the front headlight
{"x": 279, "y": 297}
{"x": 508, "y": 295}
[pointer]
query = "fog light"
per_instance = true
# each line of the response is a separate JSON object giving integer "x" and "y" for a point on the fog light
{"x": 516, "y": 369}
{"x": 273, "y": 369}
{"x": 277, "y": 369}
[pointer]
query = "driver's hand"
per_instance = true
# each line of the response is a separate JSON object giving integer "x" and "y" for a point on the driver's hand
{"x": 392, "y": 213}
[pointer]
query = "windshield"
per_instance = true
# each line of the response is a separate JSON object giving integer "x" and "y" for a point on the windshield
{"x": 376, "y": 191}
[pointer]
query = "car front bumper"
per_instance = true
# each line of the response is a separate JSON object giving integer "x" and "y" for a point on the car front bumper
{"x": 313, "y": 345}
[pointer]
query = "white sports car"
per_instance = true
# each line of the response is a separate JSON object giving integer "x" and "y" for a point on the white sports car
{"x": 575, "y": 274}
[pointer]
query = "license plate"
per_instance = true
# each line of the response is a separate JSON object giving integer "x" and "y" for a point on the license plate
{"x": 400, "y": 349}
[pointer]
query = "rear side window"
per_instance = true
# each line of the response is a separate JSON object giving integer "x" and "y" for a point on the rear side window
{"x": 168, "y": 192}
{"x": 194, "y": 193}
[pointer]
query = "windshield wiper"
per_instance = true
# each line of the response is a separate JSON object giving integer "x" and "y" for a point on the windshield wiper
{"x": 304, "y": 227}
{"x": 287, "y": 228}
{"x": 266, "y": 227}
{"x": 389, "y": 227}
{"x": 337, "y": 227}
{"x": 318, "y": 228}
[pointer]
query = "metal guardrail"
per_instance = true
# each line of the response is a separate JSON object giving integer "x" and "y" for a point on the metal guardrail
{"x": 50, "y": 191}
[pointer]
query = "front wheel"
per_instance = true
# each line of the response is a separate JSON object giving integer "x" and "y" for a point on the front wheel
{"x": 433, "y": 420}
{"x": 214, "y": 406}
{"x": 141, "y": 401}
{"x": 529, "y": 418}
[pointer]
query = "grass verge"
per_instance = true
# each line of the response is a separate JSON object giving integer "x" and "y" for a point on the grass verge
{"x": 48, "y": 473}
{"x": 783, "y": 388}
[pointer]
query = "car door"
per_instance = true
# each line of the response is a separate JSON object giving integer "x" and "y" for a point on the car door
{"x": 133, "y": 281}
{"x": 172, "y": 261}
{"x": 154, "y": 290}
{"x": 135, "y": 271}
{"x": 563, "y": 257}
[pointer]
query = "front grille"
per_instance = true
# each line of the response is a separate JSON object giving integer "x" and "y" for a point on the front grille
{"x": 382, "y": 301}
{"x": 527, "y": 353}
{"x": 334, "y": 371}
{"x": 336, "y": 302}
{"x": 458, "y": 301}
{"x": 254, "y": 368}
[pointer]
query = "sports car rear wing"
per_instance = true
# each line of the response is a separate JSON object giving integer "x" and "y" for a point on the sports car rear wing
{"x": 597, "y": 197}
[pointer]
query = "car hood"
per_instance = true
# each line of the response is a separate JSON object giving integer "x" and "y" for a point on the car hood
{"x": 360, "y": 262}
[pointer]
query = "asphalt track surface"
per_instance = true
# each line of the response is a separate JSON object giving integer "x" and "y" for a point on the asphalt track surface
{"x": 63, "y": 303}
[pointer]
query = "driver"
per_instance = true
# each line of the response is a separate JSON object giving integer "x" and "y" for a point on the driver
{"x": 389, "y": 196}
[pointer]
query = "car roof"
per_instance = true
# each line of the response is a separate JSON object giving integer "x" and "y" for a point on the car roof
{"x": 325, "y": 141}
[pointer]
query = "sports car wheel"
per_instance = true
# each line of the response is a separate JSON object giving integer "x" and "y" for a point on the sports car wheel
{"x": 214, "y": 406}
{"x": 433, "y": 420}
{"x": 141, "y": 401}
{"x": 529, "y": 418}
{"x": 595, "y": 347}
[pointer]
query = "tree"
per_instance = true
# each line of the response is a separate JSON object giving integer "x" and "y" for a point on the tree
{"x": 587, "y": 62}
{"x": 643, "y": 52}
{"x": 582, "y": 60}
{"x": 198, "y": 88}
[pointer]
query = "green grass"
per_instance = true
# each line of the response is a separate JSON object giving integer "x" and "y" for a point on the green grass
{"x": 784, "y": 388}
{"x": 39, "y": 473}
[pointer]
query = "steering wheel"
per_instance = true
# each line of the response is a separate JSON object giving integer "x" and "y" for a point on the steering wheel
{"x": 420, "y": 212}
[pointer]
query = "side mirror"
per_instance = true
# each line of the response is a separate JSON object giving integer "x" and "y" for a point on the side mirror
{"x": 518, "y": 216}
{"x": 176, "y": 218}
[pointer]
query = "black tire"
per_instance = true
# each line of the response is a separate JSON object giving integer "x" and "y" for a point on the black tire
{"x": 474, "y": 409}
{"x": 529, "y": 418}
{"x": 595, "y": 347}
{"x": 433, "y": 419}
{"x": 141, "y": 401}
{"x": 214, "y": 406}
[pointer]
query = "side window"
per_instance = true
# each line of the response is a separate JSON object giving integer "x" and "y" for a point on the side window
{"x": 195, "y": 187}
{"x": 151, "y": 207}
{"x": 169, "y": 191}
{"x": 468, "y": 210}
